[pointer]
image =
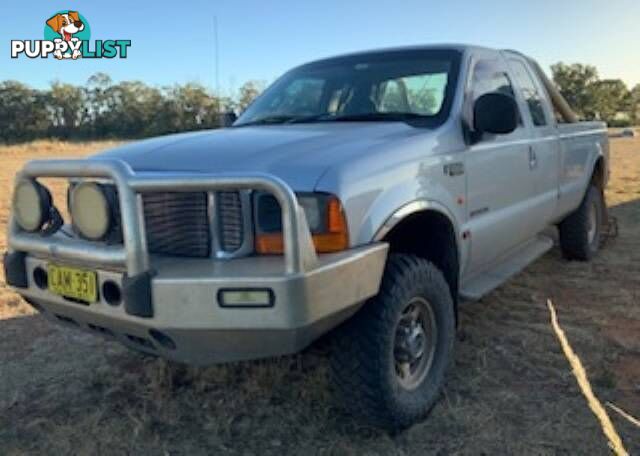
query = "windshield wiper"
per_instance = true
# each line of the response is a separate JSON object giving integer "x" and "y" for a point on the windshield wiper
{"x": 269, "y": 120}
{"x": 376, "y": 116}
{"x": 364, "y": 117}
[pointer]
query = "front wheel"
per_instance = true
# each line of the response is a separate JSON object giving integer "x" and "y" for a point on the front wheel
{"x": 390, "y": 359}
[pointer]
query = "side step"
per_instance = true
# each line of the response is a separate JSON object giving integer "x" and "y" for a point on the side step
{"x": 481, "y": 284}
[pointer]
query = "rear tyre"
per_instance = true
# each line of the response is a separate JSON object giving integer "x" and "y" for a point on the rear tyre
{"x": 581, "y": 231}
{"x": 390, "y": 359}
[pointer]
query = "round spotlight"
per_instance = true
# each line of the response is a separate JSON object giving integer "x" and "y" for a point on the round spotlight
{"x": 31, "y": 205}
{"x": 91, "y": 210}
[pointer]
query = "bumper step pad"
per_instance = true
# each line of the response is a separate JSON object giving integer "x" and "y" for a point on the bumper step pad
{"x": 137, "y": 295}
{"x": 15, "y": 269}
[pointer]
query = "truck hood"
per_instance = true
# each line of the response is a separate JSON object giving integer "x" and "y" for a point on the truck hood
{"x": 298, "y": 154}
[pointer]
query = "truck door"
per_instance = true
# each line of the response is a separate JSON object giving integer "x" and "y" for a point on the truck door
{"x": 544, "y": 153}
{"x": 499, "y": 177}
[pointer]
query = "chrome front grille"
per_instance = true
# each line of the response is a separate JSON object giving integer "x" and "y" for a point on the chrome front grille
{"x": 230, "y": 221}
{"x": 180, "y": 224}
{"x": 177, "y": 223}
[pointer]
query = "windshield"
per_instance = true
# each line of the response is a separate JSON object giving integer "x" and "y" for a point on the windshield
{"x": 415, "y": 86}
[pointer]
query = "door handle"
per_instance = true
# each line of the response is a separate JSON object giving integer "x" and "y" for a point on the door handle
{"x": 533, "y": 158}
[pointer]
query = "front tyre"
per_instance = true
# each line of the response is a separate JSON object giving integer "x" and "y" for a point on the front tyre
{"x": 390, "y": 359}
{"x": 581, "y": 231}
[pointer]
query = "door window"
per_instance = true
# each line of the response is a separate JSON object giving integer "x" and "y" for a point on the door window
{"x": 530, "y": 92}
{"x": 490, "y": 76}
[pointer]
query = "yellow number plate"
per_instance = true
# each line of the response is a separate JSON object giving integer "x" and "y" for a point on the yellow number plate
{"x": 73, "y": 283}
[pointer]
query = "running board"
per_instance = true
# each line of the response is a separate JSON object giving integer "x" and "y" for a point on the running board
{"x": 496, "y": 275}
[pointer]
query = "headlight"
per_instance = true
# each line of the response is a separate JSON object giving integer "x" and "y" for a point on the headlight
{"x": 91, "y": 210}
{"x": 314, "y": 209}
{"x": 31, "y": 205}
{"x": 325, "y": 218}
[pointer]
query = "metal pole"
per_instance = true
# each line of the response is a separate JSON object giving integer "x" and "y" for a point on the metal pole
{"x": 217, "y": 57}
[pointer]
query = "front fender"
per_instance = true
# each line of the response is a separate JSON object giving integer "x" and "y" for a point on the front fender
{"x": 376, "y": 202}
{"x": 414, "y": 189}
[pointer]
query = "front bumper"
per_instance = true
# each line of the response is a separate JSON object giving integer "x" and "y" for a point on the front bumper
{"x": 170, "y": 305}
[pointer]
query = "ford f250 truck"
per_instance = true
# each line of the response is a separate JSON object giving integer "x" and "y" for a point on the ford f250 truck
{"x": 364, "y": 196}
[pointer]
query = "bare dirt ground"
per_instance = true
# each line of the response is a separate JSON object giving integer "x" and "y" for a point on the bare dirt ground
{"x": 511, "y": 390}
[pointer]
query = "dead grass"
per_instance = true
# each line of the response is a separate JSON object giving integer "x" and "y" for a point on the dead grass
{"x": 511, "y": 391}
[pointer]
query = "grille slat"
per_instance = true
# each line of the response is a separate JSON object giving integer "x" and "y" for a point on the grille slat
{"x": 230, "y": 216}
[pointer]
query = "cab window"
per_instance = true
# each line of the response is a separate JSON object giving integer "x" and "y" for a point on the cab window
{"x": 490, "y": 76}
{"x": 530, "y": 92}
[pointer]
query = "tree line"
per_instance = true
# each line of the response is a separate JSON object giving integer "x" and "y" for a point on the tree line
{"x": 102, "y": 109}
{"x": 131, "y": 109}
{"x": 592, "y": 98}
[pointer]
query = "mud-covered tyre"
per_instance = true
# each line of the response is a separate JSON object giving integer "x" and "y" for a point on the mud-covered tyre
{"x": 389, "y": 361}
{"x": 581, "y": 231}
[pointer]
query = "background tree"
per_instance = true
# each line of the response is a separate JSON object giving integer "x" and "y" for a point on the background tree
{"x": 97, "y": 100}
{"x": 193, "y": 108}
{"x": 590, "y": 97}
{"x": 23, "y": 112}
{"x": 66, "y": 105}
{"x": 612, "y": 101}
{"x": 133, "y": 110}
{"x": 576, "y": 83}
{"x": 248, "y": 92}
{"x": 634, "y": 105}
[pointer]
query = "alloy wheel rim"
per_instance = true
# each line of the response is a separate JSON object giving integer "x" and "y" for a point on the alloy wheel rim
{"x": 414, "y": 343}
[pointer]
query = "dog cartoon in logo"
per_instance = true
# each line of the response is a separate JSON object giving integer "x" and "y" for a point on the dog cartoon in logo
{"x": 66, "y": 25}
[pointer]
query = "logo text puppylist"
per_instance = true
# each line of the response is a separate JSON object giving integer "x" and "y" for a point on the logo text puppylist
{"x": 67, "y": 35}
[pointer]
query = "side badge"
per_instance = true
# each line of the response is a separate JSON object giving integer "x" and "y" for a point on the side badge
{"x": 454, "y": 169}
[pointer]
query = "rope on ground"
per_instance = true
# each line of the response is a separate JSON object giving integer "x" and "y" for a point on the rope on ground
{"x": 615, "y": 442}
{"x": 624, "y": 414}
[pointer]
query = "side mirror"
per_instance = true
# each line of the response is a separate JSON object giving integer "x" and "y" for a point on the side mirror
{"x": 227, "y": 119}
{"x": 495, "y": 113}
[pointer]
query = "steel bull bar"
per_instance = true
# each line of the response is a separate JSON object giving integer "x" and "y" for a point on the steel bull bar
{"x": 167, "y": 298}
{"x": 299, "y": 252}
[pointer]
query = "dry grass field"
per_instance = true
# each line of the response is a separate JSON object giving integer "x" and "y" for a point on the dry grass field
{"x": 511, "y": 390}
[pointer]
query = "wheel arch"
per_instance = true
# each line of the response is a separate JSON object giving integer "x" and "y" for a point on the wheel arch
{"x": 426, "y": 230}
{"x": 599, "y": 173}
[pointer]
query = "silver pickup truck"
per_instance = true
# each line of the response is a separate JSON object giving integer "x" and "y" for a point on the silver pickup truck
{"x": 363, "y": 196}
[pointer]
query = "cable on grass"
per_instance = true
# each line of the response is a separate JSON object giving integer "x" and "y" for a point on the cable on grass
{"x": 615, "y": 442}
{"x": 624, "y": 414}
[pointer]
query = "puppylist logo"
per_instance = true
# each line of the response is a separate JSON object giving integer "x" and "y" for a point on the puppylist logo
{"x": 67, "y": 35}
